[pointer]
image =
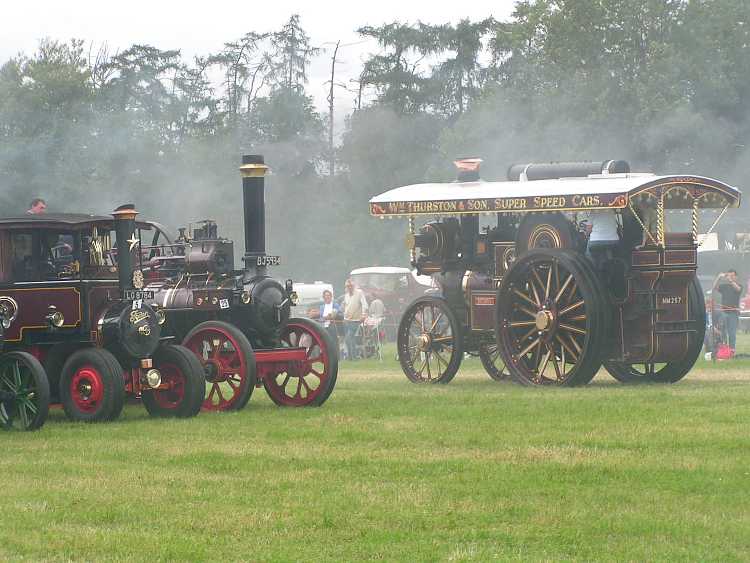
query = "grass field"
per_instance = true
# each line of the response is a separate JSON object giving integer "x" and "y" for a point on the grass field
{"x": 475, "y": 470}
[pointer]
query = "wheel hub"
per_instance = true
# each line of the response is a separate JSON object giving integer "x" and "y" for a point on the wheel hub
{"x": 425, "y": 341}
{"x": 543, "y": 320}
{"x": 211, "y": 370}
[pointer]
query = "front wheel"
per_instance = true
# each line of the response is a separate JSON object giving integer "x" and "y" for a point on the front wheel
{"x": 183, "y": 384}
{"x": 24, "y": 392}
{"x": 228, "y": 362}
{"x": 92, "y": 388}
{"x": 493, "y": 363}
{"x": 430, "y": 343}
{"x": 311, "y": 381}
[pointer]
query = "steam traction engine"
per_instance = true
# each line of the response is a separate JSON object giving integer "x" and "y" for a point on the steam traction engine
{"x": 238, "y": 322}
{"x": 522, "y": 293}
{"x": 75, "y": 328}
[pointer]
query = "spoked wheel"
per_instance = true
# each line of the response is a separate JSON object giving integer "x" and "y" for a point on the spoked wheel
{"x": 92, "y": 388}
{"x": 24, "y": 392}
{"x": 551, "y": 321}
{"x": 670, "y": 372}
{"x": 634, "y": 373}
{"x": 311, "y": 381}
{"x": 228, "y": 361}
{"x": 183, "y": 384}
{"x": 493, "y": 363}
{"x": 430, "y": 344}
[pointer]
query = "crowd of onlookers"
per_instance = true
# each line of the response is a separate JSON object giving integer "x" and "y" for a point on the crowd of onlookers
{"x": 351, "y": 319}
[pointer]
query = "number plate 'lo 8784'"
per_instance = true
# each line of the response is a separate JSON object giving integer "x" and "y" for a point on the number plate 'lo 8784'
{"x": 137, "y": 294}
{"x": 268, "y": 260}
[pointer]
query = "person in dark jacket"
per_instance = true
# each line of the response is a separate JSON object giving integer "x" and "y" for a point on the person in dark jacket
{"x": 731, "y": 291}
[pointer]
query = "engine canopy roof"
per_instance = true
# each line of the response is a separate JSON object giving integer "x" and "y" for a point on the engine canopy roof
{"x": 601, "y": 191}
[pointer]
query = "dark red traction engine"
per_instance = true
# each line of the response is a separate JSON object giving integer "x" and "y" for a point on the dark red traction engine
{"x": 75, "y": 330}
{"x": 238, "y": 322}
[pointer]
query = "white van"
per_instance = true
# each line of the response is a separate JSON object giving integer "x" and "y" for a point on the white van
{"x": 310, "y": 294}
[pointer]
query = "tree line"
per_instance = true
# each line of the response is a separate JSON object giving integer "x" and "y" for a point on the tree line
{"x": 662, "y": 83}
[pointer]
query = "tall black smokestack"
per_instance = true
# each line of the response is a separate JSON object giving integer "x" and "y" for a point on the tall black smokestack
{"x": 127, "y": 243}
{"x": 253, "y": 172}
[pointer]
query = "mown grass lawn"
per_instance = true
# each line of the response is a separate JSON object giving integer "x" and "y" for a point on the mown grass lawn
{"x": 475, "y": 470}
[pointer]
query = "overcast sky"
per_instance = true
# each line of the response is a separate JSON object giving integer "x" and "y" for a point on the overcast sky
{"x": 204, "y": 29}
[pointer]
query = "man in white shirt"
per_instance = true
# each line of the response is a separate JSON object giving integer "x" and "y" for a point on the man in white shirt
{"x": 355, "y": 311}
{"x": 604, "y": 238}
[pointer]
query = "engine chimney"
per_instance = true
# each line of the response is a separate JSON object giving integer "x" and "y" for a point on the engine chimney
{"x": 467, "y": 169}
{"x": 127, "y": 243}
{"x": 253, "y": 171}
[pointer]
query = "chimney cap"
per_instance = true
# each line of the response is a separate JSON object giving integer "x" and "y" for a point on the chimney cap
{"x": 252, "y": 159}
{"x": 126, "y": 211}
{"x": 470, "y": 164}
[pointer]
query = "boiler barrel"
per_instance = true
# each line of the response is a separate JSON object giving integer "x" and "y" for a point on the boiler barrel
{"x": 548, "y": 170}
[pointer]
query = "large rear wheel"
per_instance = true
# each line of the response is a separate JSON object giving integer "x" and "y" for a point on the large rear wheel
{"x": 670, "y": 372}
{"x": 551, "y": 319}
{"x": 430, "y": 343}
{"x": 228, "y": 361}
{"x": 24, "y": 392}
{"x": 311, "y": 381}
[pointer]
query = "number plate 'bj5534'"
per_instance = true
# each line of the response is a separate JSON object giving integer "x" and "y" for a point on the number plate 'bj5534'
{"x": 268, "y": 261}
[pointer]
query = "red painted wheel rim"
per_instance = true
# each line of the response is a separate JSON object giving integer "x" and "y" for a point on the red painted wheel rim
{"x": 224, "y": 364}
{"x": 87, "y": 389}
{"x": 172, "y": 396}
{"x": 300, "y": 382}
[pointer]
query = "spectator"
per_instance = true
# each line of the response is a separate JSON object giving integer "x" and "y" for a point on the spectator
{"x": 355, "y": 311}
{"x": 330, "y": 311}
{"x": 377, "y": 308}
{"x": 731, "y": 291}
{"x": 37, "y": 206}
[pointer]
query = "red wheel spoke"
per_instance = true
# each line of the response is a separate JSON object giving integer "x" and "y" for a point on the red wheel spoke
{"x": 304, "y": 383}
{"x": 286, "y": 380}
{"x": 214, "y": 387}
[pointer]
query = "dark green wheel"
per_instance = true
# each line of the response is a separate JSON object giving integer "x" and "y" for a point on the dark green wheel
{"x": 24, "y": 392}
